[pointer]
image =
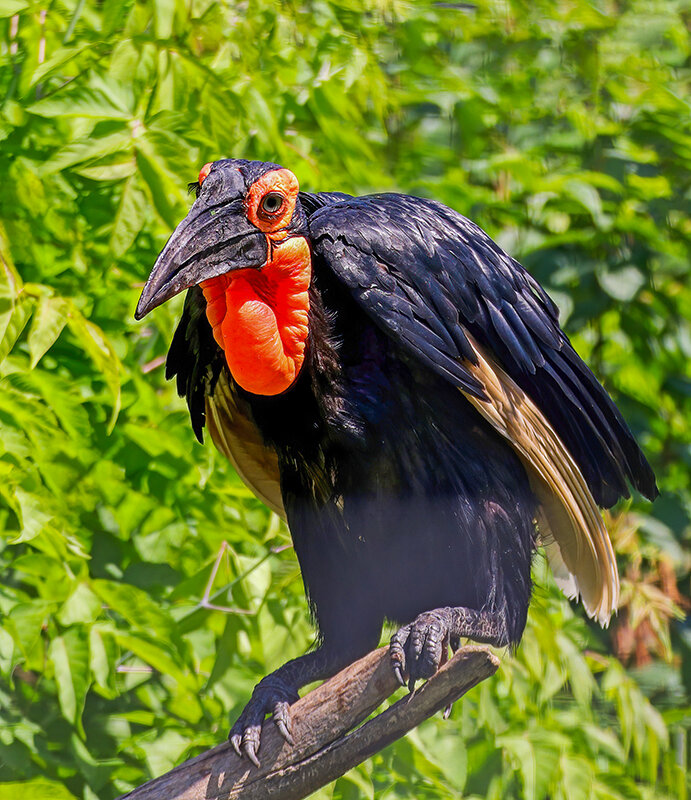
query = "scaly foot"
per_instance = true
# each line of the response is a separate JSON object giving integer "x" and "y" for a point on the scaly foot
{"x": 418, "y": 649}
{"x": 272, "y": 695}
{"x": 421, "y": 647}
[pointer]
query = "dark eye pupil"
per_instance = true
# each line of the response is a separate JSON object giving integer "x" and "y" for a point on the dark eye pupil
{"x": 272, "y": 202}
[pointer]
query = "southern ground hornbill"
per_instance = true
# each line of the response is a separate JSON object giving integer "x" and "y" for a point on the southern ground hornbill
{"x": 385, "y": 377}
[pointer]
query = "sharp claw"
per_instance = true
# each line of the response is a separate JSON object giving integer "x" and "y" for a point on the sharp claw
{"x": 285, "y": 733}
{"x": 411, "y": 685}
{"x": 399, "y": 675}
{"x": 250, "y": 751}
{"x": 235, "y": 740}
{"x": 447, "y": 711}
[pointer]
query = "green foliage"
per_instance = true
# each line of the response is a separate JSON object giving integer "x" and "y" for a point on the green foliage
{"x": 145, "y": 589}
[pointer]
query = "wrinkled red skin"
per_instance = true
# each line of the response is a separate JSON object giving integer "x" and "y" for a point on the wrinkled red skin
{"x": 260, "y": 318}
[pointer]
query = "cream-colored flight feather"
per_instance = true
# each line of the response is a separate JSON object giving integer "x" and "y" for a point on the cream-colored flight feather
{"x": 237, "y": 437}
{"x": 576, "y": 541}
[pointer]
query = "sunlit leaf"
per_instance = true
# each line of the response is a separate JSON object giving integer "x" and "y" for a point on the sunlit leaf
{"x": 11, "y": 7}
{"x": 38, "y": 789}
{"x": 622, "y": 284}
{"x": 130, "y": 217}
{"x": 103, "y": 101}
{"x": 48, "y": 321}
{"x": 33, "y": 516}
{"x": 69, "y": 655}
{"x": 17, "y": 319}
{"x": 87, "y": 150}
{"x": 101, "y": 352}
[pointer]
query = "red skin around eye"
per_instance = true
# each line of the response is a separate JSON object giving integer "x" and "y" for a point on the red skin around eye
{"x": 278, "y": 180}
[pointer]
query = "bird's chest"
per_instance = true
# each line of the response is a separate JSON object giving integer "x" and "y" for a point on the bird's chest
{"x": 344, "y": 407}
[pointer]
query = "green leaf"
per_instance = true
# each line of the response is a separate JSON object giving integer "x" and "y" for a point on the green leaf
{"x": 135, "y": 606}
{"x": 60, "y": 397}
{"x": 33, "y": 515}
{"x": 165, "y": 194}
{"x": 164, "y": 15}
{"x": 622, "y": 284}
{"x": 37, "y": 789}
{"x": 101, "y": 100}
{"x": 15, "y": 323}
{"x": 85, "y": 151}
{"x": 8, "y": 8}
{"x": 82, "y": 605}
{"x": 154, "y": 655}
{"x": 522, "y": 754}
{"x": 117, "y": 168}
{"x": 98, "y": 348}
{"x": 48, "y": 321}
{"x": 576, "y": 779}
{"x": 130, "y": 217}
{"x": 59, "y": 59}
{"x": 69, "y": 655}
{"x": 102, "y": 653}
{"x": 588, "y": 197}
{"x": 7, "y": 650}
{"x": 114, "y": 14}
{"x": 26, "y": 623}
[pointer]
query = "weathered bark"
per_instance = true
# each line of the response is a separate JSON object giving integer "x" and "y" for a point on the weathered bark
{"x": 326, "y": 744}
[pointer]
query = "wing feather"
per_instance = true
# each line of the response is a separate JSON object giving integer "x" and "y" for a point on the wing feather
{"x": 570, "y": 523}
{"x": 416, "y": 267}
{"x": 451, "y": 298}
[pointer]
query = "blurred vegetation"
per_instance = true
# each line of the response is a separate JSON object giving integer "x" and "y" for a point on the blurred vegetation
{"x": 563, "y": 128}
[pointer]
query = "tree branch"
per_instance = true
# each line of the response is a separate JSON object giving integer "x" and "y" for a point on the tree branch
{"x": 326, "y": 745}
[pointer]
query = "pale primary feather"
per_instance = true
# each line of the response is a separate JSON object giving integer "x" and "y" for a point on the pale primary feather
{"x": 570, "y": 523}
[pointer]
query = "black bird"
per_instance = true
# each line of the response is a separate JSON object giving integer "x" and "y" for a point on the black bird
{"x": 384, "y": 376}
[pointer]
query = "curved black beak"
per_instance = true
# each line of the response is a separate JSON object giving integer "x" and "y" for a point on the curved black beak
{"x": 207, "y": 243}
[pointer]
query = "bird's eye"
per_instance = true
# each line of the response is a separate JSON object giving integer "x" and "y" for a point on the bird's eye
{"x": 271, "y": 204}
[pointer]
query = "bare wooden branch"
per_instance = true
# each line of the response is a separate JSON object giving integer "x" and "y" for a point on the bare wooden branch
{"x": 327, "y": 740}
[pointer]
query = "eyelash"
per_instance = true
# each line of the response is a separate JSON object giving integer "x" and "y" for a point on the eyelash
{"x": 193, "y": 187}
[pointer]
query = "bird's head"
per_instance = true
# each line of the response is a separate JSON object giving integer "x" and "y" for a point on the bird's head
{"x": 243, "y": 208}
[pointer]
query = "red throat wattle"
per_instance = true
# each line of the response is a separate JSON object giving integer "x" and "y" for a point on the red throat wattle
{"x": 260, "y": 318}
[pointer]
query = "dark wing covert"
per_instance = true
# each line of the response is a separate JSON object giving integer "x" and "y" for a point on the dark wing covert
{"x": 429, "y": 277}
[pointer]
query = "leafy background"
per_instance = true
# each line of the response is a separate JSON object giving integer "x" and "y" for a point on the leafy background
{"x": 144, "y": 589}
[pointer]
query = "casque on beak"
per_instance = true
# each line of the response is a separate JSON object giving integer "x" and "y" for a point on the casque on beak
{"x": 210, "y": 241}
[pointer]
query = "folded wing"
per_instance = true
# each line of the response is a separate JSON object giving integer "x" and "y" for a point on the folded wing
{"x": 439, "y": 286}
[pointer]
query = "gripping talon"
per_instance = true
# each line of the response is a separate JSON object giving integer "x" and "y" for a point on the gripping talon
{"x": 399, "y": 675}
{"x": 272, "y": 695}
{"x": 250, "y": 750}
{"x": 421, "y": 647}
{"x": 285, "y": 733}
{"x": 235, "y": 740}
{"x": 283, "y": 722}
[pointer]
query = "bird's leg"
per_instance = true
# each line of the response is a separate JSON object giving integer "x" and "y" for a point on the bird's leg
{"x": 274, "y": 695}
{"x": 420, "y": 648}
